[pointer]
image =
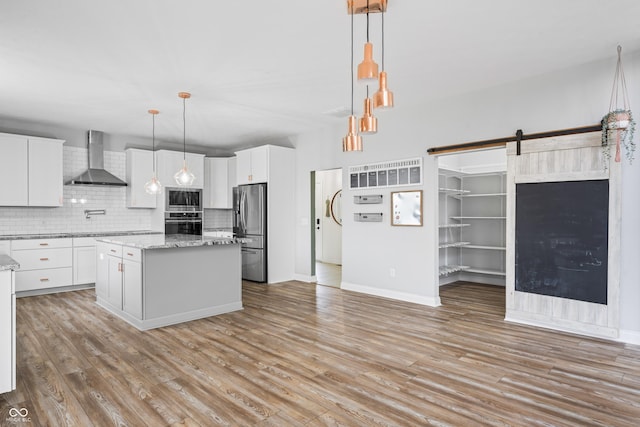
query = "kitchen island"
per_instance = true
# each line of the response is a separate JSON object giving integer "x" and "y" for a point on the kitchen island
{"x": 158, "y": 280}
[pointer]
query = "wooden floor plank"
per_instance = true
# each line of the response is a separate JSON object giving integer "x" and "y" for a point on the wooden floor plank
{"x": 307, "y": 355}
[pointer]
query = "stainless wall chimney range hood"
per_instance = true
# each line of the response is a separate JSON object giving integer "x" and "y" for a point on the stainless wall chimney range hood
{"x": 96, "y": 174}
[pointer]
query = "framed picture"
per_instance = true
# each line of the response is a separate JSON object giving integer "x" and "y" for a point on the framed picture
{"x": 406, "y": 208}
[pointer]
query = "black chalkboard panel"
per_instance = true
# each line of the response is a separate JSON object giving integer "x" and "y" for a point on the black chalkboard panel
{"x": 562, "y": 233}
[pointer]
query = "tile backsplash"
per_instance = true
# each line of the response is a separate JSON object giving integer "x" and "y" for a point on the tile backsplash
{"x": 70, "y": 217}
{"x": 218, "y": 218}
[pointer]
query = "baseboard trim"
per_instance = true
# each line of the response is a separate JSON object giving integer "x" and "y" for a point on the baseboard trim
{"x": 629, "y": 337}
{"x": 305, "y": 278}
{"x": 387, "y": 293}
{"x": 594, "y": 331}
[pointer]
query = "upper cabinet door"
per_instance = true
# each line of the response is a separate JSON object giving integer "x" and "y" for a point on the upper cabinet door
{"x": 252, "y": 165}
{"x": 168, "y": 163}
{"x": 45, "y": 172}
{"x": 216, "y": 185}
{"x": 14, "y": 170}
{"x": 139, "y": 172}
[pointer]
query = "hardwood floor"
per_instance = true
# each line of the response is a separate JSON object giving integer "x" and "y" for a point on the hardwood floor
{"x": 305, "y": 355}
{"x": 328, "y": 274}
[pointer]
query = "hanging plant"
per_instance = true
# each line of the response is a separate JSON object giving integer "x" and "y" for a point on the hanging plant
{"x": 618, "y": 125}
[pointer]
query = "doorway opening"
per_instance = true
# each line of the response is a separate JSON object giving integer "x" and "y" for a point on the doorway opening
{"x": 472, "y": 218}
{"x": 326, "y": 237}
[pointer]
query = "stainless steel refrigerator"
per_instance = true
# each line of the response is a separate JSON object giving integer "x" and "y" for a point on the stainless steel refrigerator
{"x": 250, "y": 221}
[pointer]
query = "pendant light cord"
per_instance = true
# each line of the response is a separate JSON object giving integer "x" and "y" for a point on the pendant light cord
{"x": 367, "y": 21}
{"x": 383, "y": 40}
{"x": 352, "y": 58}
{"x": 184, "y": 129}
{"x": 153, "y": 142}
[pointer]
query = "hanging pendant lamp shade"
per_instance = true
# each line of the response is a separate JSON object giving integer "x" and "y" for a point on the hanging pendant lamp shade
{"x": 153, "y": 186}
{"x": 368, "y": 123}
{"x": 368, "y": 69}
{"x": 383, "y": 98}
{"x": 184, "y": 176}
{"x": 353, "y": 141}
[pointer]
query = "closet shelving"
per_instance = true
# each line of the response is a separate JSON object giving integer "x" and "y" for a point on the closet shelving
{"x": 472, "y": 232}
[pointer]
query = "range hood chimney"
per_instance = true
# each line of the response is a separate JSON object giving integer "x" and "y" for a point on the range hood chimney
{"x": 96, "y": 175}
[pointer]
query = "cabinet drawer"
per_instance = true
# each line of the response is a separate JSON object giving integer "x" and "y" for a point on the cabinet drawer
{"x": 83, "y": 241}
{"x": 43, "y": 279}
{"x": 113, "y": 249}
{"x": 36, "y": 259}
{"x": 132, "y": 254}
{"x": 40, "y": 243}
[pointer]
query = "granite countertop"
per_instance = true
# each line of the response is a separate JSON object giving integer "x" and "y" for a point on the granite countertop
{"x": 171, "y": 241}
{"x": 8, "y": 263}
{"x": 80, "y": 234}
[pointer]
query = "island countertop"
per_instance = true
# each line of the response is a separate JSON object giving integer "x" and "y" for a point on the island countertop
{"x": 8, "y": 263}
{"x": 164, "y": 241}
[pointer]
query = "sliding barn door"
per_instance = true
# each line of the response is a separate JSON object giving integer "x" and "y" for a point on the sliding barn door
{"x": 563, "y": 235}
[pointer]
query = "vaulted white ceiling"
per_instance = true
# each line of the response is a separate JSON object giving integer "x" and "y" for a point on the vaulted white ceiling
{"x": 261, "y": 70}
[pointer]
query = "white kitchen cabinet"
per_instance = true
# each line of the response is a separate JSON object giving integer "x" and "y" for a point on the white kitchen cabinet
{"x": 84, "y": 260}
{"x": 114, "y": 281}
{"x": 45, "y": 172}
{"x": 119, "y": 278}
{"x": 219, "y": 177}
{"x": 7, "y": 332}
{"x": 44, "y": 263}
{"x": 139, "y": 171}
{"x": 274, "y": 165}
{"x": 5, "y": 247}
{"x": 169, "y": 162}
{"x": 132, "y": 286}
{"x": 253, "y": 165}
{"x": 14, "y": 170}
{"x": 33, "y": 166}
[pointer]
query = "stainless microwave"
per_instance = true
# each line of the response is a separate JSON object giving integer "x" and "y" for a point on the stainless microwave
{"x": 183, "y": 199}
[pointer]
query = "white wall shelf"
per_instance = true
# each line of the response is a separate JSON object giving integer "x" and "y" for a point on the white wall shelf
{"x": 453, "y": 225}
{"x": 445, "y": 270}
{"x": 478, "y": 217}
{"x": 484, "y": 195}
{"x": 490, "y": 248}
{"x": 453, "y": 245}
{"x": 486, "y": 271}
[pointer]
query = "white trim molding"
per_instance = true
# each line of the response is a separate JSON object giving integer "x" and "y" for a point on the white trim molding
{"x": 391, "y": 294}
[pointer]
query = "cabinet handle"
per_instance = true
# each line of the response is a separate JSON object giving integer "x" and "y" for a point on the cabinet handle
{"x": 44, "y": 244}
{"x": 129, "y": 253}
{"x": 44, "y": 259}
{"x": 112, "y": 250}
{"x": 44, "y": 279}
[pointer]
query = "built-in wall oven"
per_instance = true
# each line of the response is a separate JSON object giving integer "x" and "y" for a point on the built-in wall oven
{"x": 183, "y": 211}
{"x": 183, "y": 223}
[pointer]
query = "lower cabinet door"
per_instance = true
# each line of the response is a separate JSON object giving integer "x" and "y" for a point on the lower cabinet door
{"x": 84, "y": 265}
{"x": 114, "y": 282}
{"x": 132, "y": 285}
{"x": 6, "y": 332}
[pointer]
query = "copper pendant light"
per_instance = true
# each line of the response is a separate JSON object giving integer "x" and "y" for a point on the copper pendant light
{"x": 184, "y": 177}
{"x": 383, "y": 98}
{"x": 352, "y": 141}
{"x": 153, "y": 186}
{"x": 368, "y": 123}
{"x": 368, "y": 69}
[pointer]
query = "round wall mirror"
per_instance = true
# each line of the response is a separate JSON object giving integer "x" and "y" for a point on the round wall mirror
{"x": 336, "y": 207}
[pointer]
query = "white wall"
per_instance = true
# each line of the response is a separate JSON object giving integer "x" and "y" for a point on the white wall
{"x": 570, "y": 98}
{"x": 330, "y": 233}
